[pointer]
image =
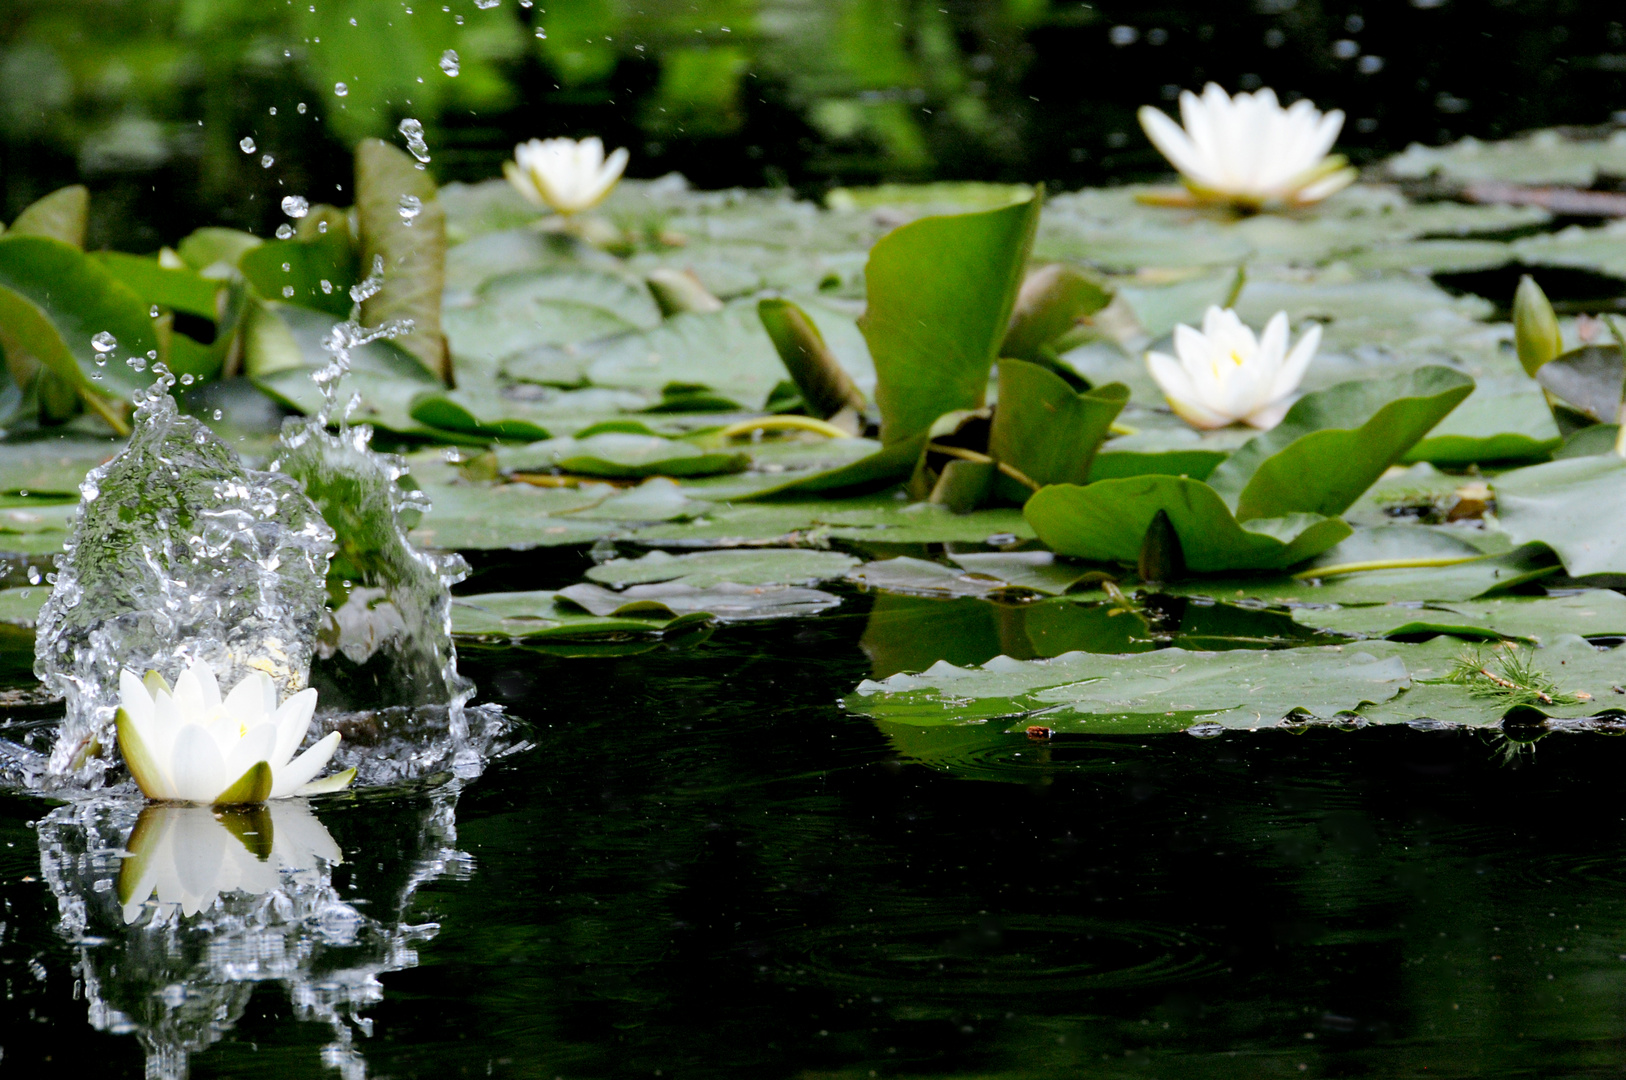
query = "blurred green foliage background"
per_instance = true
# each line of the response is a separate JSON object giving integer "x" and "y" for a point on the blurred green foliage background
{"x": 149, "y": 101}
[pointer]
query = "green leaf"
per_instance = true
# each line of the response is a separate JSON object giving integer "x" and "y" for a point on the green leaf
{"x": 413, "y": 254}
{"x": 320, "y": 271}
{"x": 744, "y": 566}
{"x": 1166, "y": 690}
{"x": 1336, "y": 443}
{"x": 1574, "y": 506}
{"x": 726, "y": 602}
{"x": 540, "y": 616}
{"x": 1487, "y": 576}
{"x": 941, "y": 291}
{"x": 444, "y": 410}
{"x": 1045, "y": 428}
{"x": 216, "y": 250}
{"x": 179, "y": 289}
{"x": 61, "y": 215}
{"x": 1107, "y": 522}
{"x": 1051, "y": 302}
{"x": 823, "y": 383}
{"x": 1503, "y": 420}
{"x": 515, "y": 313}
{"x": 1595, "y": 613}
{"x": 619, "y": 455}
{"x": 1588, "y": 380}
{"x": 54, "y": 299}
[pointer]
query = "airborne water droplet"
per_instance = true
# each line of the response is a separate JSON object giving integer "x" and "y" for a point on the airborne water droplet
{"x": 449, "y": 62}
{"x": 413, "y": 131}
{"x": 339, "y": 89}
{"x": 288, "y": 292}
{"x": 486, "y": 5}
{"x": 137, "y": 363}
{"x": 411, "y": 207}
{"x": 541, "y": 34}
{"x": 152, "y": 312}
{"x": 266, "y": 161}
{"x": 246, "y": 145}
{"x": 327, "y": 287}
{"x": 104, "y": 342}
{"x": 284, "y": 231}
{"x": 295, "y": 206}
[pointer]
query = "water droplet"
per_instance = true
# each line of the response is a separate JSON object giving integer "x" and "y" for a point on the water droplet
{"x": 152, "y": 354}
{"x": 287, "y": 268}
{"x": 486, "y": 5}
{"x": 266, "y": 161}
{"x": 284, "y": 231}
{"x": 525, "y": 3}
{"x": 449, "y": 62}
{"x": 413, "y": 131}
{"x": 246, "y": 145}
{"x": 411, "y": 207}
{"x": 339, "y": 89}
{"x": 327, "y": 287}
{"x": 321, "y": 228}
{"x": 541, "y": 33}
{"x": 288, "y": 292}
{"x": 104, "y": 342}
{"x": 300, "y": 108}
{"x": 137, "y": 363}
{"x": 33, "y": 571}
{"x": 218, "y": 414}
{"x": 152, "y": 312}
{"x": 295, "y": 206}
{"x": 273, "y": 110}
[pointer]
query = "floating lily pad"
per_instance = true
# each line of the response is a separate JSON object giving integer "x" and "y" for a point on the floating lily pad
{"x": 1595, "y": 613}
{"x": 1573, "y": 506}
{"x": 919, "y": 577}
{"x": 541, "y": 615}
{"x": 726, "y": 601}
{"x": 621, "y": 455}
{"x": 1541, "y": 157}
{"x": 1040, "y": 571}
{"x": 520, "y": 311}
{"x": 1165, "y": 690}
{"x": 745, "y": 566}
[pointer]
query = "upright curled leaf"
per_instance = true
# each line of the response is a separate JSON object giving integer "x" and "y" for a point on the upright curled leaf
{"x": 402, "y": 221}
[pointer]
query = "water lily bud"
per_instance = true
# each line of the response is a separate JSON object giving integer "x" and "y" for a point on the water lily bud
{"x": 1535, "y": 326}
{"x": 1052, "y": 300}
{"x": 677, "y": 291}
{"x": 824, "y": 384}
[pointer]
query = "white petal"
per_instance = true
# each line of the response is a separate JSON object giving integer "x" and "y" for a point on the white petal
{"x": 1174, "y": 144}
{"x": 1268, "y": 416}
{"x": 1176, "y": 386}
{"x": 1327, "y": 185}
{"x": 299, "y": 772}
{"x": 1297, "y": 361}
{"x": 1273, "y": 343}
{"x": 189, "y": 698}
{"x": 134, "y": 697}
{"x": 247, "y": 701}
{"x": 255, "y": 746}
{"x": 197, "y": 767}
{"x": 292, "y": 720}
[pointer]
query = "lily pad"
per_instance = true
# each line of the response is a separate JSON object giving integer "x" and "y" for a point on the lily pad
{"x": 726, "y": 601}
{"x": 542, "y": 616}
{"x": 918, "y": 577}
{"x": 1503, "y": 420}
{"x": 620, "y": 455}
{"x": 518, "y": 312}
{"x": 1541, "y": 157}
{"x": 747, "y": 566}
{"x": 1595, "y": 613}
{"x": 1165, "y": 690}
{"x": 1573, "y": 506}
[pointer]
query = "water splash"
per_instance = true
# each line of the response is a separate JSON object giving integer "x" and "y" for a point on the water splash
{"x": 178, "y": 552}
{"x": 388, "y": 639}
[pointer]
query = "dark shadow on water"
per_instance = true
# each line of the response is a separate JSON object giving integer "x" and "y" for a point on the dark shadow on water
{"x": 704, "y": 867}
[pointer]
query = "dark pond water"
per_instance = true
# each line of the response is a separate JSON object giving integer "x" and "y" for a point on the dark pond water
{"x": 702, "y": 867}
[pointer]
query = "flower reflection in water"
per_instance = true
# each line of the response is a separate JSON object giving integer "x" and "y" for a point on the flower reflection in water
{"x": 179, "y": 912}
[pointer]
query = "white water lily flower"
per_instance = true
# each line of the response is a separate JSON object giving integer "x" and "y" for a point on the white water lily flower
{"x": 1224, "y": 374}
{"x": 564, "y": 174}
{"x": 186, "y": 856}
{"x": 1248, "y": 150}
{"x": 190, "y": 745}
